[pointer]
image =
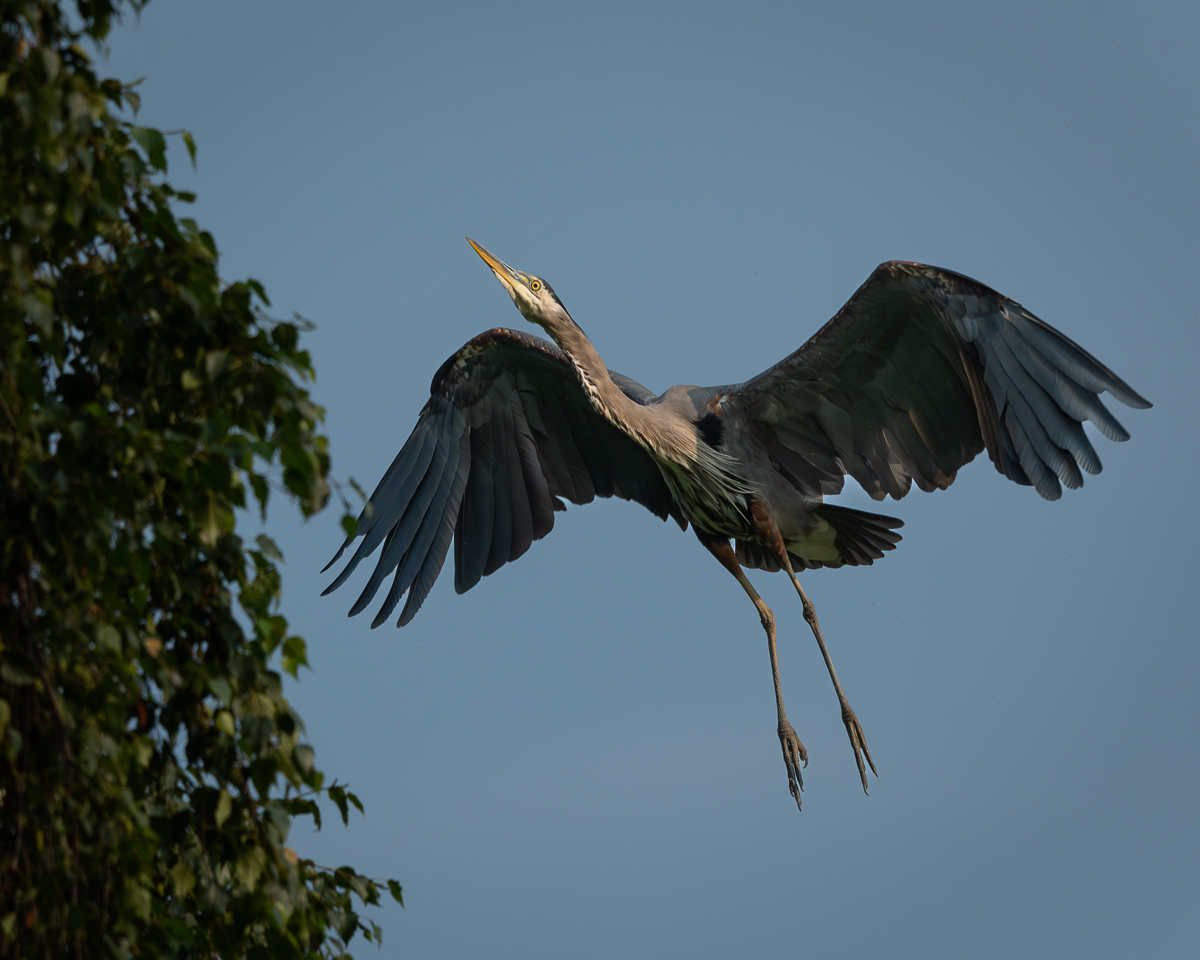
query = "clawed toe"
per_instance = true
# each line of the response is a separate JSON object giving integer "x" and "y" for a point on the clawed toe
{"x": 794, "y": 758}
{"x": 858, "y": 741}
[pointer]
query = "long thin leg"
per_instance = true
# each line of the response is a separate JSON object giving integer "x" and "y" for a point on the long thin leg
{"x": 854, "y": 729}
{"x": 794, "y": 754}
{"x": 769, "y": 533}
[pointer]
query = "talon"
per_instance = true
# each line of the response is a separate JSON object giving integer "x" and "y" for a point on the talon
{"x": 795, "y": 756}
{"x": 858, "y": 742}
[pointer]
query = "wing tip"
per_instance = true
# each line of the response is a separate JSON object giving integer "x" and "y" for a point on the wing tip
{"x": 1131, "y": 398}
{"x": 337, "y": 556}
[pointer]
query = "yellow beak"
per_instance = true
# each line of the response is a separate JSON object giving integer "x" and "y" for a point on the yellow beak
{"x": 504, "y": 273}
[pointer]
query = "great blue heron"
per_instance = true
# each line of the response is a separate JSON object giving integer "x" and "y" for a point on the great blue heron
{"x": 920, "y": 371}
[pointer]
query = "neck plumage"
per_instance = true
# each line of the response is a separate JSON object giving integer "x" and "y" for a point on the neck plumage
{"x": 662, "y": 436}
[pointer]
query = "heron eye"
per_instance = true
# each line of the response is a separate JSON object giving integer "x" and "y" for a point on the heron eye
{"x": 535, "y": 285}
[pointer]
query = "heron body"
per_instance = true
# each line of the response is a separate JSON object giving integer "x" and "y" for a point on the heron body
{"x": 918, "y": 373}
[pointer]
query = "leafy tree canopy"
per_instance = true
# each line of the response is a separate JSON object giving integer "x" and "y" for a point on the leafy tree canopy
{"x": 150, "y": 766}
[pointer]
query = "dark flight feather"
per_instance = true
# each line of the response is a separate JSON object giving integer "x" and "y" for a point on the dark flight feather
{"x": 920, "y": 371}
{"x": 507, "y": 432}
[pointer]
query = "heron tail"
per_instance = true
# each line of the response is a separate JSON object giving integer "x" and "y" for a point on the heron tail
{"x": 862, "y": 537}
{"x": 859, "y": 539}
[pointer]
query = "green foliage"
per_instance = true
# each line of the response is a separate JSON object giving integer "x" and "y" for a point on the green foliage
{"x": 150, "y": 767}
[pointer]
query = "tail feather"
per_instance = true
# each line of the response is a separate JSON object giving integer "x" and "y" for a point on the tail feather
{"x": 862, "y": 538}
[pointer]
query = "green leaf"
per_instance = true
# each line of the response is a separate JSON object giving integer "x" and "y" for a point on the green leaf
{"x": 143, "y": 750}
{"x": 347, "y": 925}
{"x": 223, "y": 721}
{"x": 190, "y": 143}
{"x": 153, "y": 142}
{"x": 397, "y": 893}
{"x": 215, "y": 363}
{"x": 17, "y": 670}
{"x": 338, "y": 796}
{"x": 269, "y": 547}
{"x": 295, "y": 655}
{"x": 108, "y": 635}
{"x": 220, "y": 689}
{"x": 183, "y": 880}
{"x": 250, "y": 866}
{"x": 224, "y": 808}
{"x": 305, "y": 807}
{"x": 137, "y": 900}
{"x": 38, "y": 308}
{"x": 359, "y": 884}
{"x": 303, "y": 756}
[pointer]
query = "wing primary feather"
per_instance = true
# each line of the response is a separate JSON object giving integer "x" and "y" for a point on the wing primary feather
{"x": 336, "y": 557}
{"x": 441, "y": 515}
{"x": 1040, "y": 477}
{"x": 1012, "y": 460}
{"x": 410, "y": 522}
{"x": 541, "y": 510}
{"x": 474, "y": 535}
{"x": 1072, "y": 359}
{"x": 501, "y": 541}
{"x": 1032, "y": 448}
{"x": 522, "y": 520}
{"x": 430, "y": 517}
{"x": 436, "y": 556}
{"x": 400, "y": 494}
{"x": 1065, "y": 394}
{"x": 1050, "y": 454}
{"x": 410, "y": 459}
{"x": 1060, "y": 431}
{"x": 396, "y": 473}
{"x": 441, "y": 510}
{"x": 458, "y": 552}
{"x": 1078, "y": 402}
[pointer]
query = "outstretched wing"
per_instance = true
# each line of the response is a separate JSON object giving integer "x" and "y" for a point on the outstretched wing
{"x": 920, "y": 371}
{"x": 507, "y": 431}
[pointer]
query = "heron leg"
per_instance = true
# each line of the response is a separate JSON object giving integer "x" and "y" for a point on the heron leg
{"x": 769, "y": 533}
{"x": 794, "y": 754}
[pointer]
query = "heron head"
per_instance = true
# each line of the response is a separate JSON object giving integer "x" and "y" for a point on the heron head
{"x": 533, "y": 296}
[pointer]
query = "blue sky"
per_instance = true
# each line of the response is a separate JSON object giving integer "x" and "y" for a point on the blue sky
{"x": 578, "y": 757}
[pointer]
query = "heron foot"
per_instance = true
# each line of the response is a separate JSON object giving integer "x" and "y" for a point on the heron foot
{"x": 858, "y": 741}
{"x": 794, "y": 756}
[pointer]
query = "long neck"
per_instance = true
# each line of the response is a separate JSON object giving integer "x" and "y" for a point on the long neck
{"x": 667, "y": 437}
